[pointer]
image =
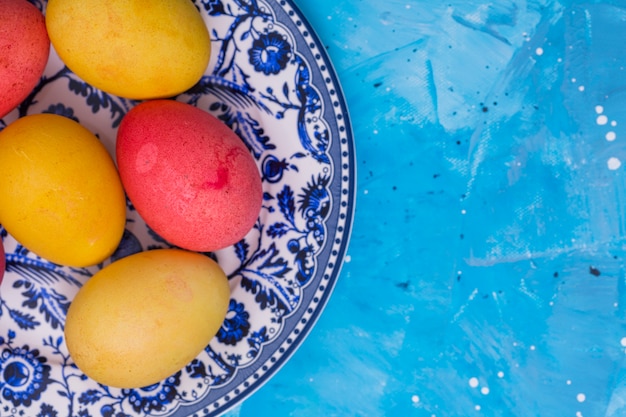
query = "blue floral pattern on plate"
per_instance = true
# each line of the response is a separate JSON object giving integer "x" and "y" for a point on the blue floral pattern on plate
{"x": 270, "y": 80}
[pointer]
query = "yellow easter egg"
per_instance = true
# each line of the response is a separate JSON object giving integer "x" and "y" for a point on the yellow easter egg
{"x": 60, "y": 192}
{"x": 131, "y": 48}
{"x": 144, "y": 317}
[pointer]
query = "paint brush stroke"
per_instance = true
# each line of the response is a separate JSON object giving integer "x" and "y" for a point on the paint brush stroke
{"x": 488, "y": 17}
{"x": 541, "y": 153}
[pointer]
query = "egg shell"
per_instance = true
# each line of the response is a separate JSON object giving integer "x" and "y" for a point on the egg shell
{"x": 190, "y": 177}
{"x": 136, "y": 49}
{"x": 24, "y": 51}
{"x": 60, "y": 194}
{"x": 144, "y": 317}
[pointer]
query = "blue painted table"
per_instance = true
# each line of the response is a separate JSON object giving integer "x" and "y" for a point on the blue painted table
{"x": 485, "y": 274}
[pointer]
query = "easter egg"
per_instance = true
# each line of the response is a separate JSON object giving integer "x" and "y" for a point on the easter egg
{"x": 60, "y": 194}
{"x": 131, "y": 48}
{"x": 24, "y": 51}
{"x": 144, "y": 317}
{"x": 190, "y": 177}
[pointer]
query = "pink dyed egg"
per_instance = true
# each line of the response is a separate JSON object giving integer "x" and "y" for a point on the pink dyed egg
{"x": 189, "y": 176}
{"x": 24, "y": 50}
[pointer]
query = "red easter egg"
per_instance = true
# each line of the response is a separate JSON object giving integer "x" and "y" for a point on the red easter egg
{"x": 24, "y": 51}
{"x": 190, "y": 177}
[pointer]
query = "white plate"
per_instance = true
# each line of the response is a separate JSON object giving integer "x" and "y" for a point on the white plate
{"x": 272, "y": 82}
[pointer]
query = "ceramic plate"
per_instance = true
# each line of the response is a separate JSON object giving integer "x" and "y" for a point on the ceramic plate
{"x": 270, "y": 80}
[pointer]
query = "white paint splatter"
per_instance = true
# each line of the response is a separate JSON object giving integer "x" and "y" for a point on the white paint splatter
{"x": 484, "y": 390}
{"x": 611, "y": 136}
{"x": 471, "y": 297}
{"x": 539, "y": 51}
{"x": 473, "y": 382}
{"x": 613, "y": 123}
{"x": 347, "y": 259}
{"x": 533, "y": 347}
{"x": 500, "y": 374}
{"x": 581, "y": 397}
{"x": 568, "y": 382}
{"x": 477, "y": 407}
{"x": 415, "y": 399}
{"x": 599, "y": 109}
{"x": 614, "y": 163}
{"x": 602, "y": 120}
{"x": 581, "y": 88}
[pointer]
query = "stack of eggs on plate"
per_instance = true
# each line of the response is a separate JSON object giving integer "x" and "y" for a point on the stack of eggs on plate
{"x": 63, "y": 196}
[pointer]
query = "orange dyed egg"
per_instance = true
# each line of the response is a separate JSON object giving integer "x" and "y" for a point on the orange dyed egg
{"x": 60, "y": 194}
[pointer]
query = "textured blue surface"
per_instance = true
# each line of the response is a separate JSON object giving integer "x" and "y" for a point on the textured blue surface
{"x": 485, "y": 274}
